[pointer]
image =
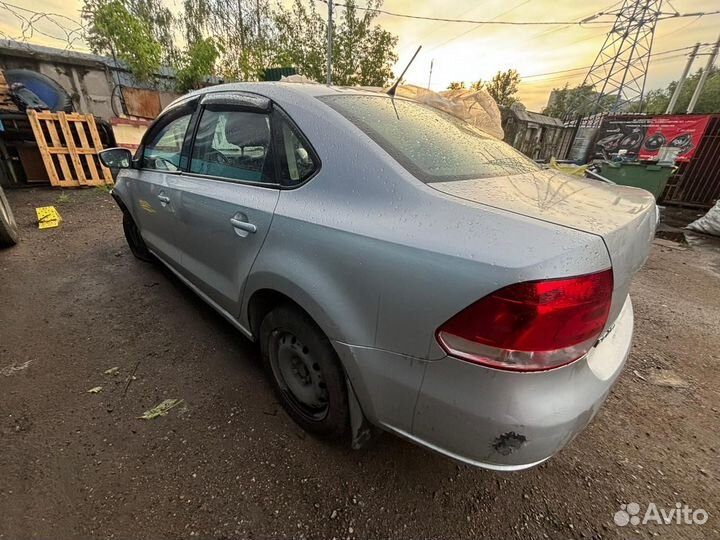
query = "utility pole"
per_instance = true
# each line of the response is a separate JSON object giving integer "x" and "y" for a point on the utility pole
{"x": 329, "y": 42}
{"x": 703, "y": 76}
{"x": 257, "y": 13}
{"x": 678, "y": 87}
{"x": 241, "y": 25}
{"x": 432, "y": 61}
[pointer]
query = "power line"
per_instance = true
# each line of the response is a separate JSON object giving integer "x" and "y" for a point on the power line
{"x": 471, "y": 21}
{"x": 588, "y": 67}
{"x": 587, "y": 20}
{"x": 478, "y": 26}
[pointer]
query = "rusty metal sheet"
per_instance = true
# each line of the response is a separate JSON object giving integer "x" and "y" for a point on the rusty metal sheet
{"x": 141, "y": 102}
{"x": 166, "y": 98}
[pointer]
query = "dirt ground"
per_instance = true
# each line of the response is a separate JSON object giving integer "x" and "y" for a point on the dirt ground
{"x": 228, "y": 463}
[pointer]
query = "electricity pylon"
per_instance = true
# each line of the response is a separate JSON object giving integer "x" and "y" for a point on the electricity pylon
{"x": 620, "y": 68}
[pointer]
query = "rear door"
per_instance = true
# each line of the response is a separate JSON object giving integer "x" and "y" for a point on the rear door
{"x": 153, "y": 184}
{"x": 227, "y": 195}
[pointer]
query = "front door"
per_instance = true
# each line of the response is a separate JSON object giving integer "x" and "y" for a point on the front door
{"x": 153, "y": 184}
{"x": 226, "y": 200}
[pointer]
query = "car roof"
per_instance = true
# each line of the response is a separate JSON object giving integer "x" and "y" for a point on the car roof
{"x": 280, "y": 91}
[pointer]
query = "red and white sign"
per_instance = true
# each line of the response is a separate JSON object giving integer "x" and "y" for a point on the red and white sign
{"x": 681, "y": 132}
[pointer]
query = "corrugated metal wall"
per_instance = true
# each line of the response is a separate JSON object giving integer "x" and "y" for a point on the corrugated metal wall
{"x": 697, "y": 183}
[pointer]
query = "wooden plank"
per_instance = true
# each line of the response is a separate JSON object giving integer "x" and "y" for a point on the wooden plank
{"x": 63, "y": 150}
{"x": 55, "y": 139}
{"x": 95, "y": 136}
{"x": 43, "y": 148}
{"x": 87, "y": 150}
{"x": 70, "y": 144}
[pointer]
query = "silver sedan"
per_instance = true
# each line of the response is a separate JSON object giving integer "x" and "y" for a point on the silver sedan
{"x": 399, "y": 268}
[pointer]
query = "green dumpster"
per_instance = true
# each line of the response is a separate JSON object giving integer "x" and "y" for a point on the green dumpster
{"x": 653, "y": 178}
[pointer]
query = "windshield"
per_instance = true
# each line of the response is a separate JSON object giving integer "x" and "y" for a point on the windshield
{"x": 434, "y": 146}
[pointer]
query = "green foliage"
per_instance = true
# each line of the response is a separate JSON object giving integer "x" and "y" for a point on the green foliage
{"x": 196, "y": 64}
{"x": 363, "y": 52}
{"x": 503, "y": 87}
{"x": 248, "y": 36}
{"x": 656, "y": 101}
{"x": 578, "y": 101}
{"x": 114, "y": 30}
{"x": 244, "y": 30}
{"x": 302, "y": 39}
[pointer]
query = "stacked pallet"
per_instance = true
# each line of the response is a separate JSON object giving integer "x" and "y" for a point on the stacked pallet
{"x": 69, "y": 145}
{"x": 6, "y": 102}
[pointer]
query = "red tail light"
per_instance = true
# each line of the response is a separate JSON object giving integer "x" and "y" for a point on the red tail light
{"x": 532, "y": 326}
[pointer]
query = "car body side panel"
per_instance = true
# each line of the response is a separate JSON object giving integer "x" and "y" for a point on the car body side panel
{"x": 216, "y": 257}
{"x": 393, "y": 259}
{"x": 140, "y": 191}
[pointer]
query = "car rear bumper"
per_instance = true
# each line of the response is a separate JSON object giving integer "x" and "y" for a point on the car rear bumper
{"x": 486, "y": 417}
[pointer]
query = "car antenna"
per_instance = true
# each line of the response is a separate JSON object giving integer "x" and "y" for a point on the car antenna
{"x": 393, "y": 88}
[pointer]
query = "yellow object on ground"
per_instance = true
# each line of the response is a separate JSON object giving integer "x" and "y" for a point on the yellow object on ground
{"x": 575, "y": 170}
{"x": 48, "y": 217}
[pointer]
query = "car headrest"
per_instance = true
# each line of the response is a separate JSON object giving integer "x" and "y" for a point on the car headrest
{"x": 247, "y": 129}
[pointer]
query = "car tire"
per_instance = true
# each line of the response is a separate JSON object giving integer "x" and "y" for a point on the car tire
{"x": 134, "y": 239}
{"x": 306, "y": 372}
{"x": 8, "y": 225}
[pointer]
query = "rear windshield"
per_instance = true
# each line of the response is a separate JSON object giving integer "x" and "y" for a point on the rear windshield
{"x": 434, "y": 146}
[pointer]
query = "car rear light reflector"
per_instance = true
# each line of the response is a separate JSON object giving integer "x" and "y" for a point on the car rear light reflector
{"x": 532, "y": 326}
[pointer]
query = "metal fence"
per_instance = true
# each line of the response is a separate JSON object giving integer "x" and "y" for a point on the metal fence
{"x": 697, "y": 183}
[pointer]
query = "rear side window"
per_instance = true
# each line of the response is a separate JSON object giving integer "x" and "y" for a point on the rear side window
{"x": 297, "y": 161}
{"x": 233, "y": 144}
{"x": 434, "y": 146}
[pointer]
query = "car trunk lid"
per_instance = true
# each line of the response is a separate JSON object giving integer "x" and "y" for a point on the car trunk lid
{"x": 623, "y": 217}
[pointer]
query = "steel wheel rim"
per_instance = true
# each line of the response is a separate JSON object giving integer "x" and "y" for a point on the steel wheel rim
{"x": 5, "y": 209}
{"x": 299, "y": 375}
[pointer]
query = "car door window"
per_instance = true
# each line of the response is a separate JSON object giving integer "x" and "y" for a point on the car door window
{"x": 298, "y": 161}
{"x": 233, "y": 144}
{"x": 164, "y": 148}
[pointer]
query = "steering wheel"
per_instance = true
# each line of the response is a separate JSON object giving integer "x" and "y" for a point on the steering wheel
{"x": 215, "y": 156}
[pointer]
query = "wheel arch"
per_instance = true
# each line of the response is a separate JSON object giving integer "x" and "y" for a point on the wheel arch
{"x": 267, "y": 292}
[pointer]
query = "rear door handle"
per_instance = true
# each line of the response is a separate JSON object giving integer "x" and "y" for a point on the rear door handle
{"x": 243, "y": 225}
{"x": 164, "y": 199}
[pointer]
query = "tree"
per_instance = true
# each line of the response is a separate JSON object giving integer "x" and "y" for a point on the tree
{"x": 456, "y": 85}
{"x": 197, "y": 64}
{"x": 477, "y": 85}
{"x": 656, "y": 101}
{"x": 302, "y": 39}
{"x": 363, "y": 52}
{"x": 114, "y": 30}
{"x": 503, "y": 87}
{"x": 581, "y": 100}
{"x": 244, "y": 29}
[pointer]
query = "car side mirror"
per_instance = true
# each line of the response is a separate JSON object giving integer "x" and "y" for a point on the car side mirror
{"x": 116, "y": 158}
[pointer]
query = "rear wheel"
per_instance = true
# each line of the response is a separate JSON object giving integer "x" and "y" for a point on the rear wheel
{"x": 134, "y": 239}
{"x": 8, "y": 226}
{"x": 306, "y": 372}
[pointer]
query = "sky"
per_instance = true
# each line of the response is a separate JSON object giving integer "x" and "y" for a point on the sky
{"x": 468, "y": 52}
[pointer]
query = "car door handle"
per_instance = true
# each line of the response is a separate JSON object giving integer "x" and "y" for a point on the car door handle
{"x": 243, "y": 225}
{"x": 164, "y": 199}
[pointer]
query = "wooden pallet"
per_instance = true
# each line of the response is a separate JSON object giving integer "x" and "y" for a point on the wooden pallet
{"x": 69, "y": 145}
